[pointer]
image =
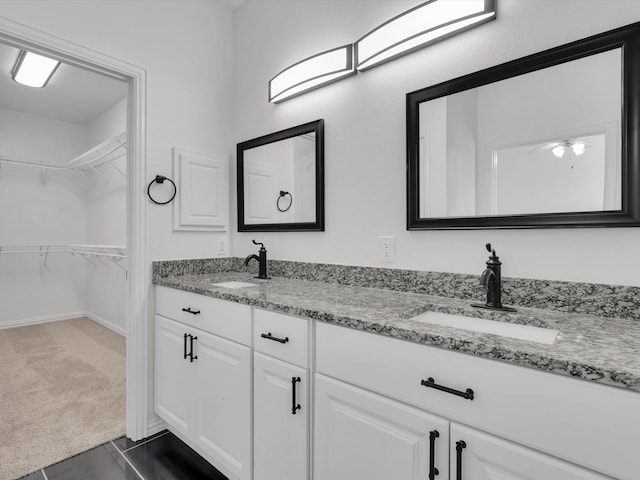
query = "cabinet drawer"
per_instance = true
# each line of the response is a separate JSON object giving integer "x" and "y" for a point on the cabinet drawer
{"x": 226, "y": 319}
{"x": 592, "y": 425}
{"x": 287, "y": 337}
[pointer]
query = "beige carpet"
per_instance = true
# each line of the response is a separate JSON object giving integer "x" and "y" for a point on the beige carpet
{"x": 62, "y": 391}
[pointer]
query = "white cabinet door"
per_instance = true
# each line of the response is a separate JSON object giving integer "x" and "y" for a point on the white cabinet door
{"x": 222, "y": 402}
{"x": 281, "y": 429}
{"x": 362, "y": 435}
{"x": 173, "y": 374}
{"x": 201, "y": 191}
{"x": 479, "y": 456}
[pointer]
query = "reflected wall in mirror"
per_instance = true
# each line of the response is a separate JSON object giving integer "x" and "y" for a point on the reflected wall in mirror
{"x": 281, "y": 180}
{"x": 549, "y": 140}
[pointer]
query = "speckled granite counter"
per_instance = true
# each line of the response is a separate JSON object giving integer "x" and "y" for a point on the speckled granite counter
{"x": 595, "y": 348}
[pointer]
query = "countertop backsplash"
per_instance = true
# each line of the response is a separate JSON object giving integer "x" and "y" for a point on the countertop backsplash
{"x": 572, "y": 297}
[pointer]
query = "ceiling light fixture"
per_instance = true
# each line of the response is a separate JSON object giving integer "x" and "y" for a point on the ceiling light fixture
{"x": 419, "y": 27}
{"x": 33, "y": 70}
{"x": 311, "y": 73}
{"x": 558, "y": 151}
{"x": 577, "y": 146}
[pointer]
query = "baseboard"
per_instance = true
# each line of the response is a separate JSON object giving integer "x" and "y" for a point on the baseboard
{"x": 64, "y": 316}
{"x": 155, "y": 425}
{"x": 37, "y": 320}
{"x": 106, "y": 323}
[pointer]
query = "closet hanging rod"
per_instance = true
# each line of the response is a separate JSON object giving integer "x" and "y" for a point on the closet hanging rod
{"x": 26, "y": 163}
{"x": 115, "y": 252}
{"x": 94, "y": 157}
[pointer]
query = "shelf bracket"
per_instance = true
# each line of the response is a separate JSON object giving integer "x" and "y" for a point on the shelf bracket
{"x": 43, "y": 175}
{"x": 44, "y": 253}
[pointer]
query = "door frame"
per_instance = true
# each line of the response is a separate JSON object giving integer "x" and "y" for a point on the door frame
{"x": 137, "y": 323}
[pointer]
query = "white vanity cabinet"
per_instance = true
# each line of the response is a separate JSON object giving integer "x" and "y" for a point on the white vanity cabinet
{"x": 476, "y": 455}
{"x": 362, "y": 435}
{"x": 203, "y": 376}
{"x": 553, "y": 421}
{"x": 281, "y": 396}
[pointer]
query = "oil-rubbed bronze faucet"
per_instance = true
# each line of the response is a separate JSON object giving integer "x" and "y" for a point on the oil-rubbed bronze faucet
{"x": 262, "y": 260}
{"x": 491, "y": 281}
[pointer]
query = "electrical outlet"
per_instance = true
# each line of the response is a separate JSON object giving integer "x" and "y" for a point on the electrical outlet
{"x": 221, "y": 247}
{"x": 387, "y": 248}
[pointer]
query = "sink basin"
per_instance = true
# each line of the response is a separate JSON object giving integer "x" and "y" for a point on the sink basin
{"x": 504, "y": 329}
{"x": 234, "y": 284}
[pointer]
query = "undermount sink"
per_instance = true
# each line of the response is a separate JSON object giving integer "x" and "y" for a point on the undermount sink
{"x": 234, "y": 284}
{"x": 504, "y": 329}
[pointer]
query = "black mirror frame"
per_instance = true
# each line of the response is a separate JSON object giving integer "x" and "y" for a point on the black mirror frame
{"x": 316, "y": 127}
{"x": 628, "y": 39}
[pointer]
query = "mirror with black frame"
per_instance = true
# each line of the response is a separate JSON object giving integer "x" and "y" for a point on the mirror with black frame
{"x": 280, "y": 180}
{"x": 548, "y": 140}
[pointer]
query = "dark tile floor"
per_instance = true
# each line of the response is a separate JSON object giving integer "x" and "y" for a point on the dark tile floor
{"x": 161, "y": 457}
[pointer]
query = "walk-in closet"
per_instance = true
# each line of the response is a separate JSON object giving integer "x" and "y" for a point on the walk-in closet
{"x": 63, "y": 264}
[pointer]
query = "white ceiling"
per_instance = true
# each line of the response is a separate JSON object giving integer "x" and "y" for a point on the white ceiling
{"x": 73, "y": 94}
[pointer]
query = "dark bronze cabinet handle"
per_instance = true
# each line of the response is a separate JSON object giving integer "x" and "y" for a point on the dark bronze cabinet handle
{"x": 295, "y": 406}
{"x": 431, "y": 383}
{"x": 275, "y": 339}
{"x": 460, "y": 445}
{"x": 192, "y": 357}
{"x": 185, "y": 346}
{"x": 433, "y": 471}
{"x": 192, "y": 312}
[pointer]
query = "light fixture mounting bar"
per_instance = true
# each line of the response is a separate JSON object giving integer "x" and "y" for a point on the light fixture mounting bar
{"x": 420, "y": 26}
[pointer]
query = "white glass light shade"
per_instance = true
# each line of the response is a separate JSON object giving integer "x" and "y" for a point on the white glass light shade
{"x": 578, "y": 148}
{"x": 420, "y": 26}
{"x": 33, "y": 70}
{"x": 312, "y": 72}
{"x": 558, "y": 151}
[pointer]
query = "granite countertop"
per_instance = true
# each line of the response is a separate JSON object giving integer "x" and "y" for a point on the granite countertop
{"x": 589, "y": 347}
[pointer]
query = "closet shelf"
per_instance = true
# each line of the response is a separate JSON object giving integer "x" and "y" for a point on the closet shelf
{"x": 102, "y": 154}
{"x": 105, "y": 153}
{"x": 114, "y": 253}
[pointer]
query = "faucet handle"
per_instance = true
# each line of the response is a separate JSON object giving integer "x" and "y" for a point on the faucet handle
{"x": 258, "y": 243}
{"x": 492, "y": 251}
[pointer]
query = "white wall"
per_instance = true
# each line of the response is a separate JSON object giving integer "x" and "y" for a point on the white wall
{"x": 186, "y": 48}
{"x": 110, "y": 123}
{"x": 37, "y": 213}
{"x": 106, "y": 211}
{"x": 64, "y": 209}
{"x": 365, "y": 117}
{"x": 365, "y": 134}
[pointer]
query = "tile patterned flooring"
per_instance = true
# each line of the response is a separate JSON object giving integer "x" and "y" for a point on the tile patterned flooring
{"x": 160, "y": 457}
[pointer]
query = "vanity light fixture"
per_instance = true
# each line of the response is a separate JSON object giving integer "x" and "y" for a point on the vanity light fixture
{"x": 311, "y": 73}
{"x": 422, "y": 25}
{"x": 33, "y": 70}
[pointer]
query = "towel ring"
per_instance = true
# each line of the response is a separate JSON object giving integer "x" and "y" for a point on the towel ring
{"x": 284, "y": 194}
{"x": 160, "y": 179}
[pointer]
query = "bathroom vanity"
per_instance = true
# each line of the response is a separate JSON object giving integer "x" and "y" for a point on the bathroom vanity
{"x": 296, "y": 379}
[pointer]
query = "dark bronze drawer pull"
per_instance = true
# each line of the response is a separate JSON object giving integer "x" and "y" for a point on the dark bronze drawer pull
{"x": 294, "y": 405}
{"x": 431, "y": 383}
{"x": 192, "y": 357}
{"x": 460, "y": 445}
{"x": 433, "y": 471}
{"x": 185, "y": 346}
{"x": 192, "y": 312}
{"x": 275, "y": 339}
